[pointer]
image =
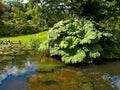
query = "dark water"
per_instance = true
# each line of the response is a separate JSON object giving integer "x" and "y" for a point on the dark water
{"x": 20, "y": 73}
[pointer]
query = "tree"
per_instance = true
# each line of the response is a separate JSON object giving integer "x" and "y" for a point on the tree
{"x": 16, "y": 19}
{"x": 51, "y": 12}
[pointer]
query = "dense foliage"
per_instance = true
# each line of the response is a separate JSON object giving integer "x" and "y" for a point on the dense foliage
{"x": 20, "y": 19}
{"x": 85, "y": 30}
{"x": 94, "y": 36}
{"x": 39, "y": 15}
{"x": 30, "y": 17}
{"x": 81, "y": 40}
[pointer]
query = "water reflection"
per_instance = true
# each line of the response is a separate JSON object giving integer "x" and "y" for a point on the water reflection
{"x": 113, "y": 81}
{"x": 104, "y": 76}
{"x": 14, "y": 77}
{"x": 116, "y": 80}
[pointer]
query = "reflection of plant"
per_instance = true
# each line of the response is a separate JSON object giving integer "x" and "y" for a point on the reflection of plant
{"x": 77, "y": 41}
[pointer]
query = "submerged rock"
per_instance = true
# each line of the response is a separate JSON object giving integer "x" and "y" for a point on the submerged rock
{"x": 60, "y": 80}
{"x": 49, "y": 81}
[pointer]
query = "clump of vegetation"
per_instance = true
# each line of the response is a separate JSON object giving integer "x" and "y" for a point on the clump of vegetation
{"x": 43, "y": 49}
{"x": 35, "y": 43}
{"x": 82, "y": 41}
{"x": 20, "y": 19}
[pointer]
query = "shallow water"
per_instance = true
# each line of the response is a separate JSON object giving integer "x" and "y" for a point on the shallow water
{"x": 22, "y": 73}
{"x": 13, "y": 73}
{"x": 104, "y": 76}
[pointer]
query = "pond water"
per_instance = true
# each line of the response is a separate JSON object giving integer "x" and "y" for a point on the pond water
{"x": 26, "y": 72}
{"x": 104, "y": 76}
{"x": 15, "y": 71}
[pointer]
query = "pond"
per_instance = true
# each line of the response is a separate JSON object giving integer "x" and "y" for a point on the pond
{"x": 14, "y": 71}
{"x": 104, "y": 76}
{"x": 32, "y": 72}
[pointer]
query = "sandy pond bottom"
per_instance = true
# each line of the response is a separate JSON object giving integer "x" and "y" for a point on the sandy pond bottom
{"x": 26, "y": 72}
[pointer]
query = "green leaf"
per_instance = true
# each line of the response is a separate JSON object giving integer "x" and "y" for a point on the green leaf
{"x": 63, "y": 44}
{"x": 74, "y": 58}
{"x": 94, "y": 50}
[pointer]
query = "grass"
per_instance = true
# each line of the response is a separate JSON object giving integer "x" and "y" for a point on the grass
{"x": 26, "y": 38}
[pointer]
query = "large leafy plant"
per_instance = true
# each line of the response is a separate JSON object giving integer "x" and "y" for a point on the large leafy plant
{"x": 77, "y": 41}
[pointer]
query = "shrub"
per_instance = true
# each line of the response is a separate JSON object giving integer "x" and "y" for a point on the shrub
{"x": 35, "y": 43}
{"x": 14, "y": 29}
{"x": 79, "y": 41}
{"x": 43, "y": 49}
{"x": 24, "y": 29}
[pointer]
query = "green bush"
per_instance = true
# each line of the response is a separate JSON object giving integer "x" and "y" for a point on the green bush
{"x": 80, "y": 41}
{"x": 35, "y": 43}
{"x": 24, "y": 29}
{"x": 14, "y": 29}
{"x": 43, "y": 49}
